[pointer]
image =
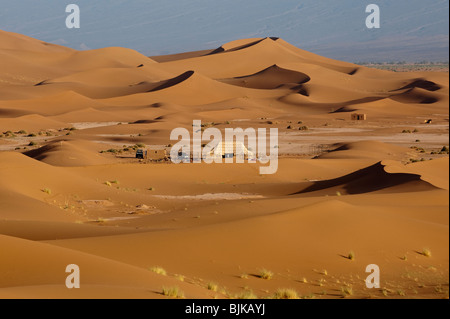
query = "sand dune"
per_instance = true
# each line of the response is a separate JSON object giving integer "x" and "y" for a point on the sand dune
{"x": 270, "y": 78}
{"x": 417, "y": 96}
{"x": 63, "y": 102}
{"x": 370, "y": 179}
{"x": 15, "y": 41}
{"x": 50, "y": 263}
{"x": 368, "y": 149}
{"x": 31, "y": 123}
{"x": 69, "y": 153}
{"x": 72, "y": 190}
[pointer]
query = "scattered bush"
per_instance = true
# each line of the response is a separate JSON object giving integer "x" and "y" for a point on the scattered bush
{"x": 159, "y": 270}
{"x": 351, "y": 255}
{"x": 213, "y": 286}
{"x": 173, "y": 292}
{"x": 426, "y": 252}
{"x": 265, "y": 274}
{"x": 347, "y": 291}
{"x": 246, "y": 295}
{"x": 285, "y": 294}
{"x": 9, "y": 134}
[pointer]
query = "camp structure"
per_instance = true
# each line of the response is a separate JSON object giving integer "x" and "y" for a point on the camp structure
{"x": 151, "y": 154}
{"x": 359, "y": 117}
{"x": 232, "y": 149}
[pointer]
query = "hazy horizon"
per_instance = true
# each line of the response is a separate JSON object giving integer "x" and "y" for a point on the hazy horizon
{"x": 411, "y": 30}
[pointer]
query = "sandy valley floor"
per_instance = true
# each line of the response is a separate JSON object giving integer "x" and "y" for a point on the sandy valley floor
{"x": 347, "y": 194}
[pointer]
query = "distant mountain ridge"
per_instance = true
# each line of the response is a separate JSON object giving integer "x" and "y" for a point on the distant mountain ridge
{"x": 411, "y": 30}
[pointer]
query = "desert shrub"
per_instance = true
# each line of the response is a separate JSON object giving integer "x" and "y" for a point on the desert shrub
{"x": 9, "y": 134}
{"x": 159, "y": 270}
{"x": 172, "y": 292}
{"x": 213, "y": 286}
{"x": 351, "y": 255}
{"x": 426, "y": 252}
{"x": 347, "y": 291}
{"x": 285, "y": 294}
{"x": 265, "y": 274}
{"x": 248, "y": 294}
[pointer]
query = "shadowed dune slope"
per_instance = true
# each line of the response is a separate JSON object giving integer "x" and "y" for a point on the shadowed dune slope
{"x": 270, "y": 78}
{"x": 371, "y": 179}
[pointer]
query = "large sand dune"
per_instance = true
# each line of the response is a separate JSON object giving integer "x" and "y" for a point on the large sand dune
{"x": 72, "y": 191}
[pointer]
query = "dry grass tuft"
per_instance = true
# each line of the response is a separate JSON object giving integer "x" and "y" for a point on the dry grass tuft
{"x": 173, "y": 292}
{"x": 285, "y": 294}
{"x": 159, "y": 270}
{"x": 265, "y": 274}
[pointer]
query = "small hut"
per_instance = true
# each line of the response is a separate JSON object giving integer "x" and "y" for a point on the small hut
{"x": 359, "y": 117}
